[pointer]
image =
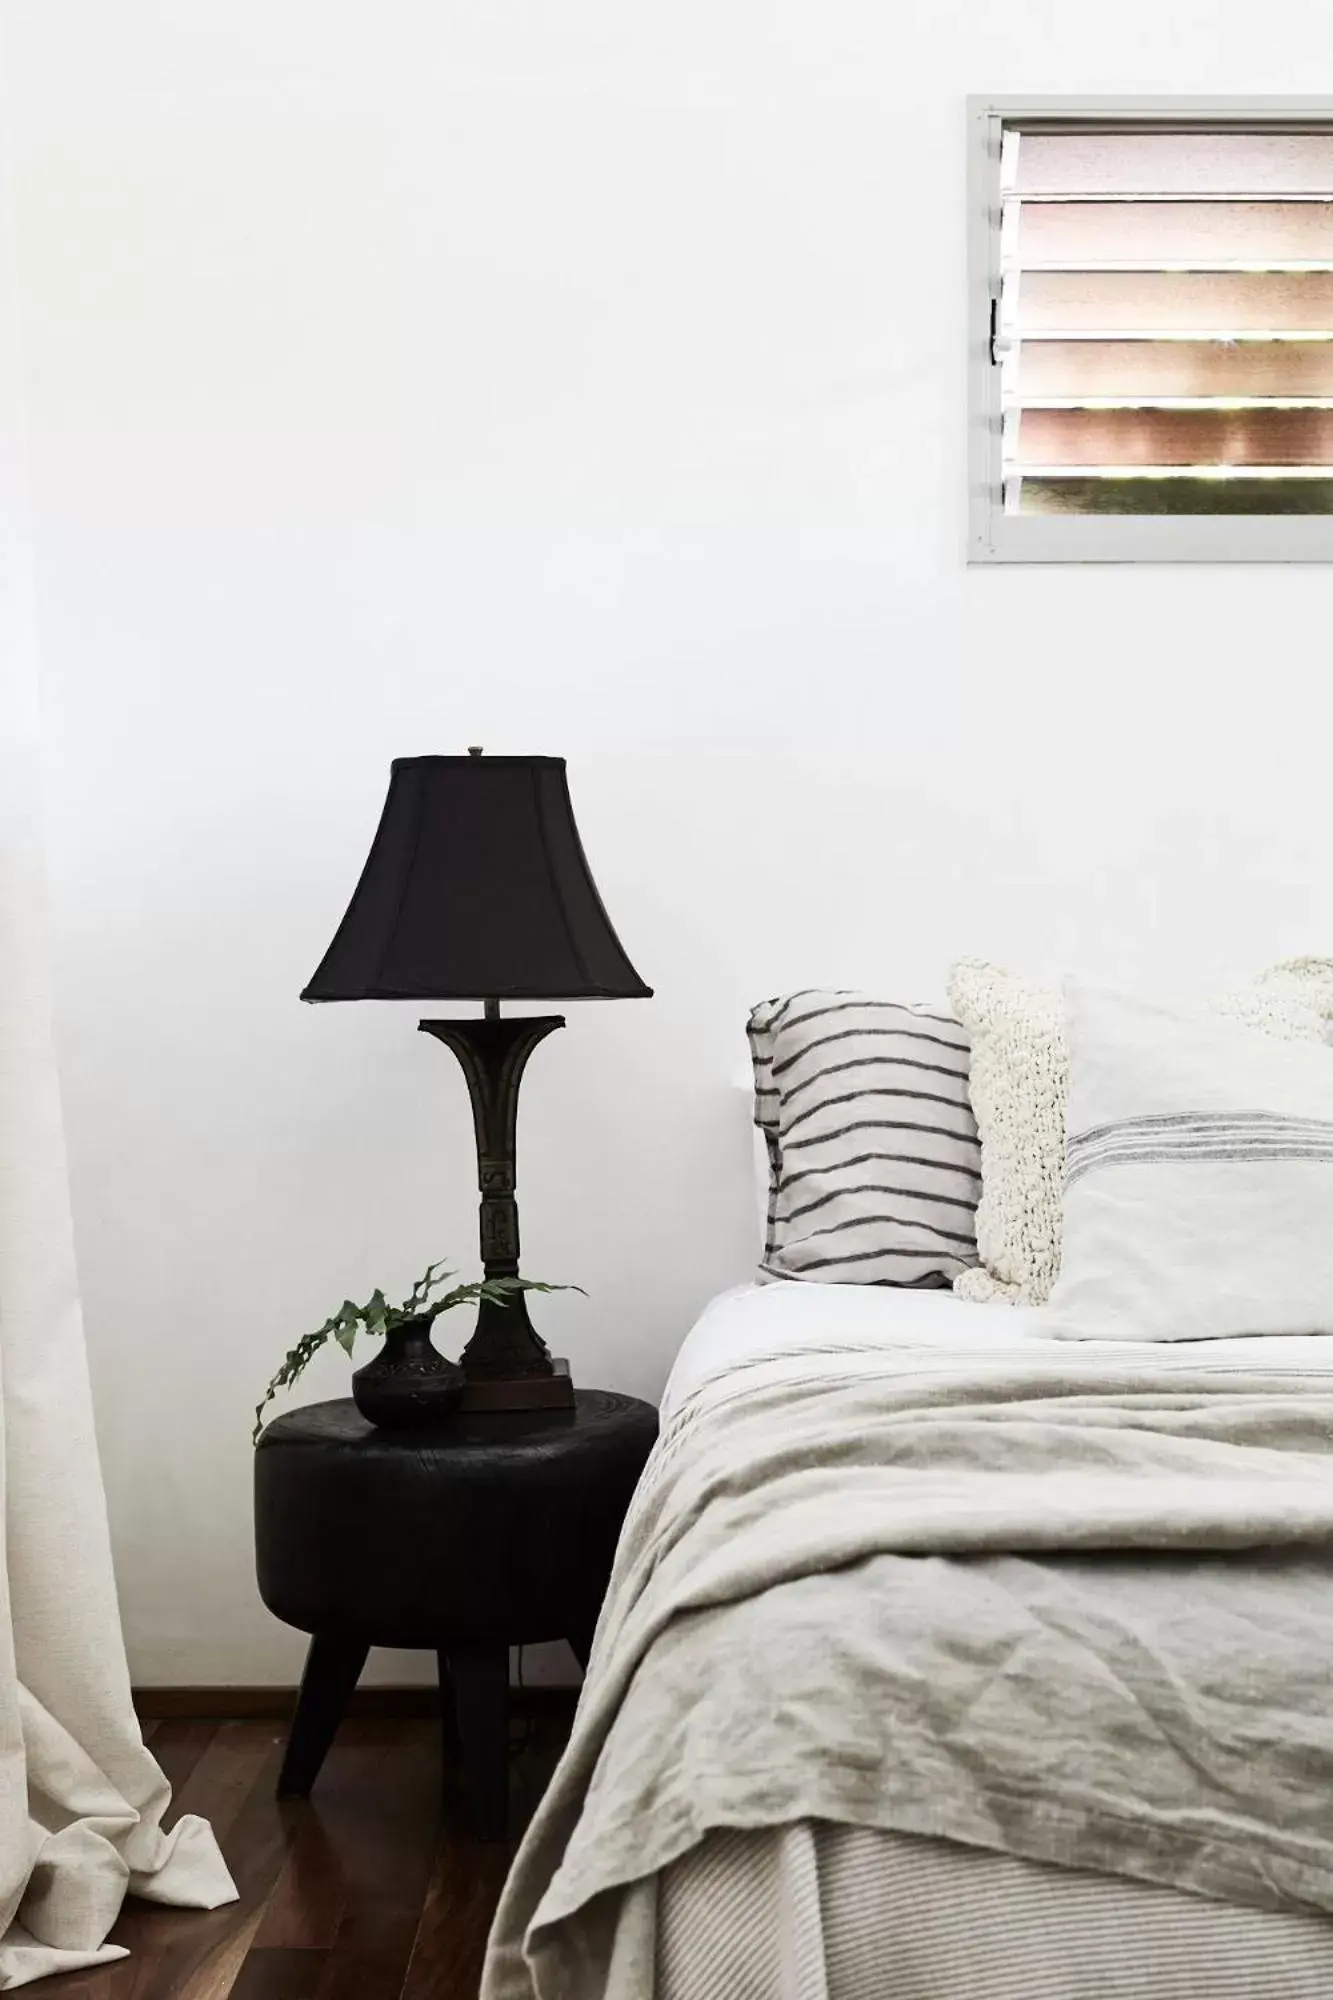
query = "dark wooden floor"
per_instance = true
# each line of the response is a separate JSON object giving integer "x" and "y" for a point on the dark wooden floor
{"x": 370, "y": 1890}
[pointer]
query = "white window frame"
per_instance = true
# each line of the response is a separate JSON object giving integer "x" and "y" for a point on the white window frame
{"x": 997, "y": 537}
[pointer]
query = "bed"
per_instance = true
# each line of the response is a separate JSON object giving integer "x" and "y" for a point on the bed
{"x": 943, "y": 1660}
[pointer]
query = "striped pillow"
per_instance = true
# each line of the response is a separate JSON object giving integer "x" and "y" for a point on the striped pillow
{"x": 874, "y": 1167}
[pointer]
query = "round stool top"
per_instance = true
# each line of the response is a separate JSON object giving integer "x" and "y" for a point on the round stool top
{"x": 599, "y": 1417}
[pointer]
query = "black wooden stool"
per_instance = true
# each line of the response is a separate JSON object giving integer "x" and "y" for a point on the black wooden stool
{"x": 485, "y": 1532}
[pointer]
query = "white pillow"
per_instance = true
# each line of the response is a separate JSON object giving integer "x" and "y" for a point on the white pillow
{"x": 1199, "y": 1192}
{"x": 1018, "y": 1085}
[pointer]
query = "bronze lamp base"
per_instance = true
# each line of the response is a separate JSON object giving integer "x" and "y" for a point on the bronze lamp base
{"x": 506, "y": 1364}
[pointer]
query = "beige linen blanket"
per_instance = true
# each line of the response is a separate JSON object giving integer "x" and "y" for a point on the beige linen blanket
{"x": 1046, "y": 1604}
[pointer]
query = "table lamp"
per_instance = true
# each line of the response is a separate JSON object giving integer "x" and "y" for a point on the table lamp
{"x": 476, "y": 887}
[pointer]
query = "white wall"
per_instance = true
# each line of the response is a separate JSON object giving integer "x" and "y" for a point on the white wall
{"x": 582, "y": 379}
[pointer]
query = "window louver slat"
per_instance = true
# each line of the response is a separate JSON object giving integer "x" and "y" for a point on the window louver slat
{"x": 1083, "y": 495}
{"x": 1139, "y": 437}
{"x": 1201, "y": 234}
{"x": 1175, "y": 368}
{"x": 1175, "y": 162}
{"x": 1215, "y": 302}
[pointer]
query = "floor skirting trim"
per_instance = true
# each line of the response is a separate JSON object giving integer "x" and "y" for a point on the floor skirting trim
{"x": 276, "y": 1704}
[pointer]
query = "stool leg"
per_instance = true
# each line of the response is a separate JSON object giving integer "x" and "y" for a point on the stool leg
{"x": 449, "y": 1742}
{"x": 580, "y": 1637}
{"x": 332, "y": 1669}
{"x": 480, "y": 1677}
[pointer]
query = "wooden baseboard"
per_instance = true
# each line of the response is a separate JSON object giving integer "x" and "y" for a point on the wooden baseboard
{"x": 276, "y": 1704}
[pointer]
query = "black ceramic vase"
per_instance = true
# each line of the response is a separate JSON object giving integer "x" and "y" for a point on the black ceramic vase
{"x": 408, "y": 1385}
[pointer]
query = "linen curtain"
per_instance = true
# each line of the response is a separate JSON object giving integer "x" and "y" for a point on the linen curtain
{"x": 81, "y": 1799}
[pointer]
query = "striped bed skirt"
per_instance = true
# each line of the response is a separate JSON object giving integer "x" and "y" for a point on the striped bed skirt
{"x": 822, "y": 1912}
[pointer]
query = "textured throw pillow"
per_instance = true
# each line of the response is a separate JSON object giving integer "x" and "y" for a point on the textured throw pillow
{"x": 1199, "y": 1188}
{"x": 873, "y": 1157}
{"x": 1020, "y": 1074}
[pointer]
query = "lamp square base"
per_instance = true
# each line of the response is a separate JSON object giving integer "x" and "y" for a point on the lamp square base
{"x": 520, "y": 1392}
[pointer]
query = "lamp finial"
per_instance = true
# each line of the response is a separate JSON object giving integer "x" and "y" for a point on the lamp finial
{"x": 474, "y": 749}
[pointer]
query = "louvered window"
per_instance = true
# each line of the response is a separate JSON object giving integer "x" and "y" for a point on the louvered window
{"x": 1153, "y": 345}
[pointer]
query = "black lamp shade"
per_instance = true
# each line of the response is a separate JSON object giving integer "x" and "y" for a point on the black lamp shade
{"x": 476, "y": 887}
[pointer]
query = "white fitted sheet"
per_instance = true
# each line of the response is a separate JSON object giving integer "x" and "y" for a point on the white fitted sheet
{"x": 772, "y": 1328}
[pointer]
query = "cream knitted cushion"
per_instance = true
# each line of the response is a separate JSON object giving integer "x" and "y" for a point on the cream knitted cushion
{"x": 1018, "y": 1085}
